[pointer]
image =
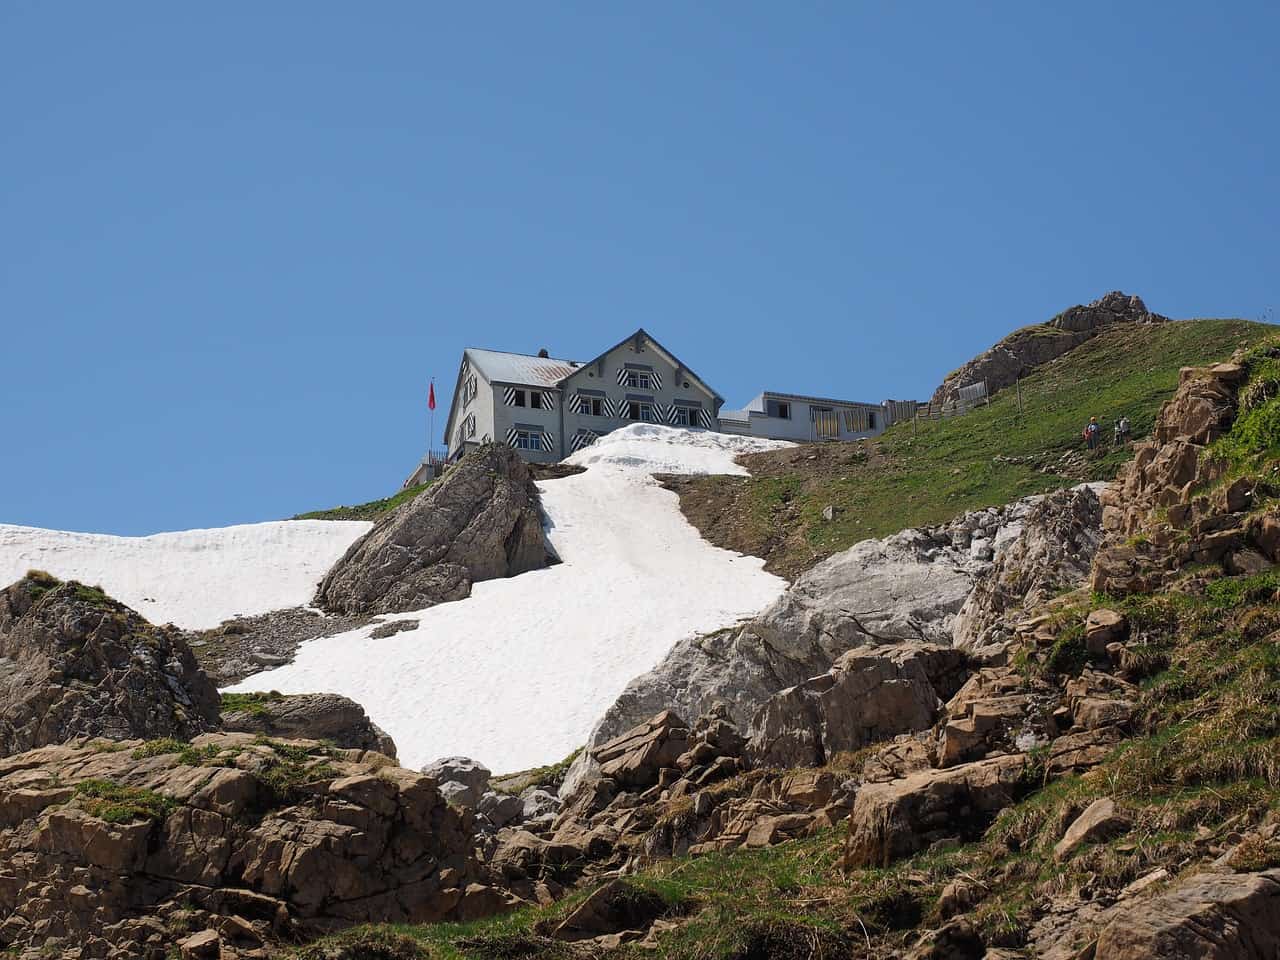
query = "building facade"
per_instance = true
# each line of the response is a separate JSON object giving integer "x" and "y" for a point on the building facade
{"x": 790, "y": 416}
{"x": 546, "y": 408}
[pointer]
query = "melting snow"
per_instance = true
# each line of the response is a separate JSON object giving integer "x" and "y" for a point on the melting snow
{"x": 516, "y": 674}
{"x": 196, "y": 578}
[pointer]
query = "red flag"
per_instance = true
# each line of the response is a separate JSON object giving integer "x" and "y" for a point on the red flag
{"x": 431, "y": 396}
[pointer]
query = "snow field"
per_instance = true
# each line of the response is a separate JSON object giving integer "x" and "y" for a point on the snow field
{"x": 196, "y": 578}
{"x": 516, "y": 674}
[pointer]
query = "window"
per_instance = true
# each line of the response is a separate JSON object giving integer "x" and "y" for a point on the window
{"x": 686, "y": 416}
{"x": 779, "y": 409}
{"x": 527, "y": 440}
{"x": 640, "y": 411}
{"x": 641, "y": 379}
{"x": 535, "y": 399}
{"x": 517, "y": 398}
{"x": 590, "y": 406}
{"x": 871, "y": 419}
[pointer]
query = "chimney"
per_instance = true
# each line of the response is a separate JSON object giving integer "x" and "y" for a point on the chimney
{"x": 543, "y": 353}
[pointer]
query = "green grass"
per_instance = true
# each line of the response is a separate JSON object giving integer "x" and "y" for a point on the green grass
{"x": 254, "y": 704}
{"x": 116, "y": 803}
{"x": 187, "y": 754}
{"x": 930, "y": 474}
{"x": 372, "y": 510}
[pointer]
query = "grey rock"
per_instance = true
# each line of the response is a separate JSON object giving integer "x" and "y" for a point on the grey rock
{"x": 481, "y": 521}
{"x": 501, "y": 808}
{"x": 75, "y": 663}
{"x": 312, "y": 716}
{"x": 462, "y": 781}
{"x": 1045, "y": 552}
{"x": 539, "y": 803}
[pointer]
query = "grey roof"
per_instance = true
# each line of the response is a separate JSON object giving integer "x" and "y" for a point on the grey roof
{"x": 757, "y": 403}
{"x": 520, "y": 368}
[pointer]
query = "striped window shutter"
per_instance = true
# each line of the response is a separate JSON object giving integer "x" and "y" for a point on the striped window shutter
{"x": 583, "y": 438}
{"x": 622, "y": 375}
{"x": 511, "y": 437}
{"x": 665, "y": 414}
{"x": 612, "y": 407}
{"x": 548, "y": 440}
{"x": 548, "y": 400}
{"x": 704, "y": 419}
{"x": 509, "y": 396}
{"x": 657, "y": 379}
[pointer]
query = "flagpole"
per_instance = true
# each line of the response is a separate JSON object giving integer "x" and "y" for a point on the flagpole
{"x": 431, "y": 430}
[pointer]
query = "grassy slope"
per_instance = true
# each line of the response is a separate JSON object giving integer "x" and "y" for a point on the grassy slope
{"x": 372, "y": 510}
{"x": 1203, "y": 766}
{"x": 909, "y": 478}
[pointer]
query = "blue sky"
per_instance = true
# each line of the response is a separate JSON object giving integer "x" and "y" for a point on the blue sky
{"x": 236, "y": 240}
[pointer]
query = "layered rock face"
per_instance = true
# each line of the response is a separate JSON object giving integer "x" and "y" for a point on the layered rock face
{"x": 1156, "y": 514}
{"x": 75, "y": 663}
{"x": 1022, "y": 351}
{"x": 310, "y": 716}
{"x": 121, "y": 849}
{"x": 481, "y": 521}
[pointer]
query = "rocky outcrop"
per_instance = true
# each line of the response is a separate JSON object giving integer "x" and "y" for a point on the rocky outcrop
{"x": 907, "y": 587}
{"x": 308, "y": 716}
{"x": 871, "y": 694}
{"x": 1023, "y": 350}
{"x": 1045, "y": 555}
{"x": 461, "y": 780}
{"x": 120, "y": 850}
{"x": 480, "y": 522}
{"x": 75, "y": 663}
{"x": 1157, "y": 515}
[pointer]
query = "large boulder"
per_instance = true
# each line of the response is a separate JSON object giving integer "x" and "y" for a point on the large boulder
{"x": 308, "y": 716}
{"x": 1023, "y": 350}
{"x": 898, "y": 818}
{"x": 871, "y": 694}
{"x": 118, "y": 850}
{"x": 1210, "y": 917}
{"x": 481, "y": 521}
{"x": 75, "y": 663}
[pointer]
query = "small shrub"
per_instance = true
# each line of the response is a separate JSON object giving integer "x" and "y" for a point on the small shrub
{"x": 117, "y": 803}
{"x": 254, "y": 704}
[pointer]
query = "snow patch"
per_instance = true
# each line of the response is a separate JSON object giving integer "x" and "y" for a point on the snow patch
{"x": 195, "y": 578}
{"x": 516, "y": 674}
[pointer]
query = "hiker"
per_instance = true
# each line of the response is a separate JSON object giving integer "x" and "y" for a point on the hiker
{"x": 1092, "y": 433}
{"x": 1124, "y": 428}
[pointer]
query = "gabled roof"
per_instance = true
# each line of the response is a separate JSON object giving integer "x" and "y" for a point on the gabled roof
{"x": 674, "y": 360}
{"x": 494, "y": 365}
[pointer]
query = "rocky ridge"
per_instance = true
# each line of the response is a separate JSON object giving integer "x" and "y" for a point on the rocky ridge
{"x": 1024, "y": 350}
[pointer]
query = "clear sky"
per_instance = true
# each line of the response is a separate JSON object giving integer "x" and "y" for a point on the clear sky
{"x": 236, "y": 240}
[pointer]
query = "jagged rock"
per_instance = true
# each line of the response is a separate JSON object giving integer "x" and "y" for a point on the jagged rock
{"x": 895, "y": 819}
{"x": 311, "y": 716}
{"x": 539, "y": 803}
{"x": 461, "y": 780}
{"x": 1210, "y": 917}
{"x": 1100, "y": 820}
{"x": 1023, "y": 350}
{"x": 1048, "y": 553}
{"x": 501, "y": 809}
{"x": 75, "y": 663}
{"x": 995, "y": 707}
{"x": 481, "y": 521}
{"x": 132, "y": 844}
{"x": 635, "y": 758}
{"x": 870, "y": 694}
{"x": 613, "y": 908}
{"x": 956, "y": 940}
